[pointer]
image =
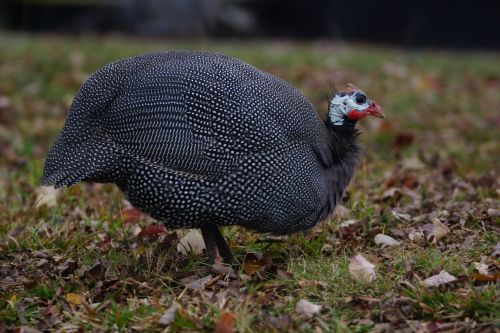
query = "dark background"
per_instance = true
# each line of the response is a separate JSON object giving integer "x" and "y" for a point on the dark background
{"x": 443, "y": 24}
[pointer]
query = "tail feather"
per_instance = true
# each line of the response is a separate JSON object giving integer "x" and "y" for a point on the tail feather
{"x": 70, "y": 163}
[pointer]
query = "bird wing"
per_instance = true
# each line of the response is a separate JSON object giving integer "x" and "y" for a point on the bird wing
{"x": 194, "y": 113}
{"x": 180, "y": 113}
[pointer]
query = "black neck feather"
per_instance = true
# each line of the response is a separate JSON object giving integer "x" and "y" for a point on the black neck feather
{"x": 344, "y": 142}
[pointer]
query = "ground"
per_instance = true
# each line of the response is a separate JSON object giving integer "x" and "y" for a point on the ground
{"x": 84, "y": 260}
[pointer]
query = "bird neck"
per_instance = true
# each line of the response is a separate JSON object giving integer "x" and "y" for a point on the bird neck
{"x": 344, "y": 154}
{"x": 344, "y": 142}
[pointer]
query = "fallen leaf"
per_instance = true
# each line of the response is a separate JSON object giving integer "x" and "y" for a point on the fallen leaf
{"x": 279, "y": 324}
{"x": 168, "y": 317}
{"x": 403, "y": 140}
{"x": 40, "y": 254}
{"x": 25, "y": 329}
{"x": 284, "y": 274}
{"x": 436, "y": 280}
{"x": 307, "y": 308}
{"x": 406, "y": 218}
{"x": 4, "y": 102}
{"x": 67, "y": 268}
{"x": 191, "y": 242}
{"x": 496, "y": 251}
{"x": 410, "y": 181}
{"x": 21, "y": 310}
{"x": 342, "y": 211}
{"x": 439, "y": 231}
{"x": 481, "y": 268}
{"x": 413, "y": 163}
{"x": 312, "y": 283}
{"x": 131, "y": 215}
{"x": 152, "y": 230}
{"x": 13, "y": 233}
{"x": 199, "y": 284}
{"x": 361, "y": 269}
{"x": 392, "y": 192}
{"x": 221, "y": 269}
{"x": 74, "y": 299}
{"x": 136, "y": 230}
{"x": 348, "y": 223}
{"x": 42, "y": 262}
{"x": 468, "y": 242}
{"x": 493, "y": 212}
{"x": 96, "y": 272}
{"x": 255, "y": 262}
{"x": 47, "y": 196}
{"x": 485, "y": 278}
{"x": 225, "y": 324}
{"x": 385, "y": 240}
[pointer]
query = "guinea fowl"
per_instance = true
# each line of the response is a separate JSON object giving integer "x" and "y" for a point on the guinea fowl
{"x": 202, "y": 140}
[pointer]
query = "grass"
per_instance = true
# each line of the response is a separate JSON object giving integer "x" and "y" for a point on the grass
{"x": 435, "y": 157}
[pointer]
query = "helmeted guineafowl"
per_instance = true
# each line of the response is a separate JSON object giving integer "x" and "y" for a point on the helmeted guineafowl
{"x": 200, "y": 140}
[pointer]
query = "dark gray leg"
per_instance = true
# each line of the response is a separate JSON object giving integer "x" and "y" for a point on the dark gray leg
{"x": 224, "y": 250}
{"x": 215, "y": 242}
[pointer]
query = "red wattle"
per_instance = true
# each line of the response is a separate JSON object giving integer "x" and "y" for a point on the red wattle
{"x": 356, "y": 115}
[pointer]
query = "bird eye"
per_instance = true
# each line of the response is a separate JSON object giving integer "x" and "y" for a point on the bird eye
{"x": 360, "y": 98}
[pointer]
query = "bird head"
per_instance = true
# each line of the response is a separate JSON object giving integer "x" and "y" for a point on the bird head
{"x": 351, "y": 105}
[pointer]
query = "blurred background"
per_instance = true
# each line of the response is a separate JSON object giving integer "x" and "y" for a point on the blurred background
{"x": 457, "y": 24}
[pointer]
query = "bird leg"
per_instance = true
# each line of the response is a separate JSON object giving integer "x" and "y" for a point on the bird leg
{"x": 216, "y": 244}
{"x": 224, "y": 250}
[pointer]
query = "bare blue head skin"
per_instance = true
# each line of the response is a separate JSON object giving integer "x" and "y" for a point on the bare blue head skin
{"x": 351, "y": 105}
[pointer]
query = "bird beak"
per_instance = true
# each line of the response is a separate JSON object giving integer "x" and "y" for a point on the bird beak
{"x": 375, "y": 110}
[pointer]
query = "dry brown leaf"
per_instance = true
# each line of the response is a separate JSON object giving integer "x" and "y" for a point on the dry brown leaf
{"x": 136, "y": 230}
{"x": 284, "y": 274}
{"x": 348, "y": 223}
{"x": 406, "y": 218}
{"x": 96, "y": 272}
{"x": 225, "y": 324}
{"x": 200, "y": 283}
{"x": 255, "y": 262}
{"x": 492, "y": 212}
{"x": 313, "y": 283}
{"x": 342, "y": 211}
{"x": 413, "y": 163}
{"x": 221, "y": 269}
{"x": 73, "y": 298}
{"x": 496, "y": 251}
{"x": 385, "y": 240}
{"x": 131, "y": 215}
{"x": 25, "y": 329}
{"x": 191, "y": 242}
{"x": 482, "y": 268}
{"x": 47, "y": 196}
{"x": 436, "y": 280}
{"x": 67, "y": 268}
{"x": 168, "y": 317}
{"x": 152, "y": 230}
{"x": 307, "y": 308}
{"x": 402, "y": 140}
{"x": 485, "y": 278}
{"x": 392, "y": 192}
{"x": 361, "y": 269}
{"x": 440, "y": 230}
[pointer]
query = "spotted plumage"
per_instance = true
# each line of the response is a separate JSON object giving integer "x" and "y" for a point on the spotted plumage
{"x": 199, "y": 139}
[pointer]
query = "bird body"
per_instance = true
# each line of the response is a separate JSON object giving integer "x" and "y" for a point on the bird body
{"x": 197, "y": 139}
